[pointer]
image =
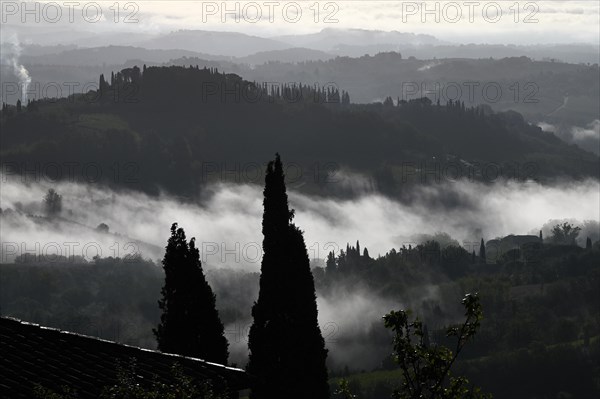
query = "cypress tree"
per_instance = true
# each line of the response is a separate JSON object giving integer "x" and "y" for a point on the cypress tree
{"x": 189, "y": 324}
{"x": 588, "y": 243}
{"x": 101, "y": 84}
{"x": 287, "y": 350}
{"x": 482, "y": 252}
{"x": 330, "y": 265}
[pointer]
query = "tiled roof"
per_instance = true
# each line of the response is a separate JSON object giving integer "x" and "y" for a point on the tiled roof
{"x": 31, "y": 354}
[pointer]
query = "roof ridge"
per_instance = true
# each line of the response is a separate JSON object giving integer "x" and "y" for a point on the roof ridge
{"x": 98, "y": 339}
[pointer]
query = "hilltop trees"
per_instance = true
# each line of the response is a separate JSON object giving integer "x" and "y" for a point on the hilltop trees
{"x": 330, "y": 264}
{"x": 287, "y": 350}
{"x": 189, "y": 324}
{"x": 482, "y": 251}
{"x": 52, "y": 203}
{"x": 194, "y": 86}
{"x": 565, "y": 234}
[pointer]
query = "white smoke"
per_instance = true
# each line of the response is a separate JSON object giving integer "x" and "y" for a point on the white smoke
{"x": 429, "y": 65}
{"x": 11, "y": 57}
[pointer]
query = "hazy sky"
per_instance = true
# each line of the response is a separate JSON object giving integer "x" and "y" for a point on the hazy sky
{"x": 456, "y": 21}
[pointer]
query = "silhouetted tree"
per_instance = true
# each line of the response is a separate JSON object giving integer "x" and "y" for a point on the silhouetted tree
{"x": 565, "y": 234}
{"x": 287, "y": 350}
{"x": 189, "y": 324}
{"x": 52, "y": 203}
{"x": 102, "y": 228}
{"x": 426, "y": 368}
{"x": 426, "y": 339}
{"x": 102, "y": 85}
{"x": 482, "y": 251}
{"x": 541, "y": 236}
{"x": 588, "y": 243}
{"x": 345, "y": 98}
{"x": 32, "y": 105}
{"x": 366, "y": 253}
{"x": 343, "y": 390}
{"x": 330, "y": 264}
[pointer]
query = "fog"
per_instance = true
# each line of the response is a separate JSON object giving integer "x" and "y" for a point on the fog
{"x": 540, "y": 22}
{"x": 586, "y": 137}
{"x": 227, "y": 222}
{"x": 227, "y": 226}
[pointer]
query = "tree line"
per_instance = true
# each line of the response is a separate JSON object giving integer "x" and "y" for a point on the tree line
{"x": 180, "y": 119}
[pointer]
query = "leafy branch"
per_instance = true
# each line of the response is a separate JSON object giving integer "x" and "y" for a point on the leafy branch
{"x": 426, "y": 368}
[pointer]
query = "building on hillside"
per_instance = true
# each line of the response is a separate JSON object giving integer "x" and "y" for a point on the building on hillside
{"x": 510, "y": 247}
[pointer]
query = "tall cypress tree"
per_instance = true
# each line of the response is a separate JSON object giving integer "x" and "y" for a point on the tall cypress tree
{"x": 287, "y": 350}
{"x": 330, "y": 265}
{"x": 190, "y": 324}
{"x": 482, "y": 251}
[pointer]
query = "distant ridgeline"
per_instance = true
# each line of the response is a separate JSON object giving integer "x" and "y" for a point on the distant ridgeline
{"x": 178, "y": 129}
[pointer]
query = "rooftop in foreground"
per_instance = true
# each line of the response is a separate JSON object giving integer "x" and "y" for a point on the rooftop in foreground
{"x": 31, "y": 354}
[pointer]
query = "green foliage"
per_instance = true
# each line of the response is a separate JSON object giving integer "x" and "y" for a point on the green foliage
{"x": 425, "y": 368}
{"x": 343, "y": 390}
